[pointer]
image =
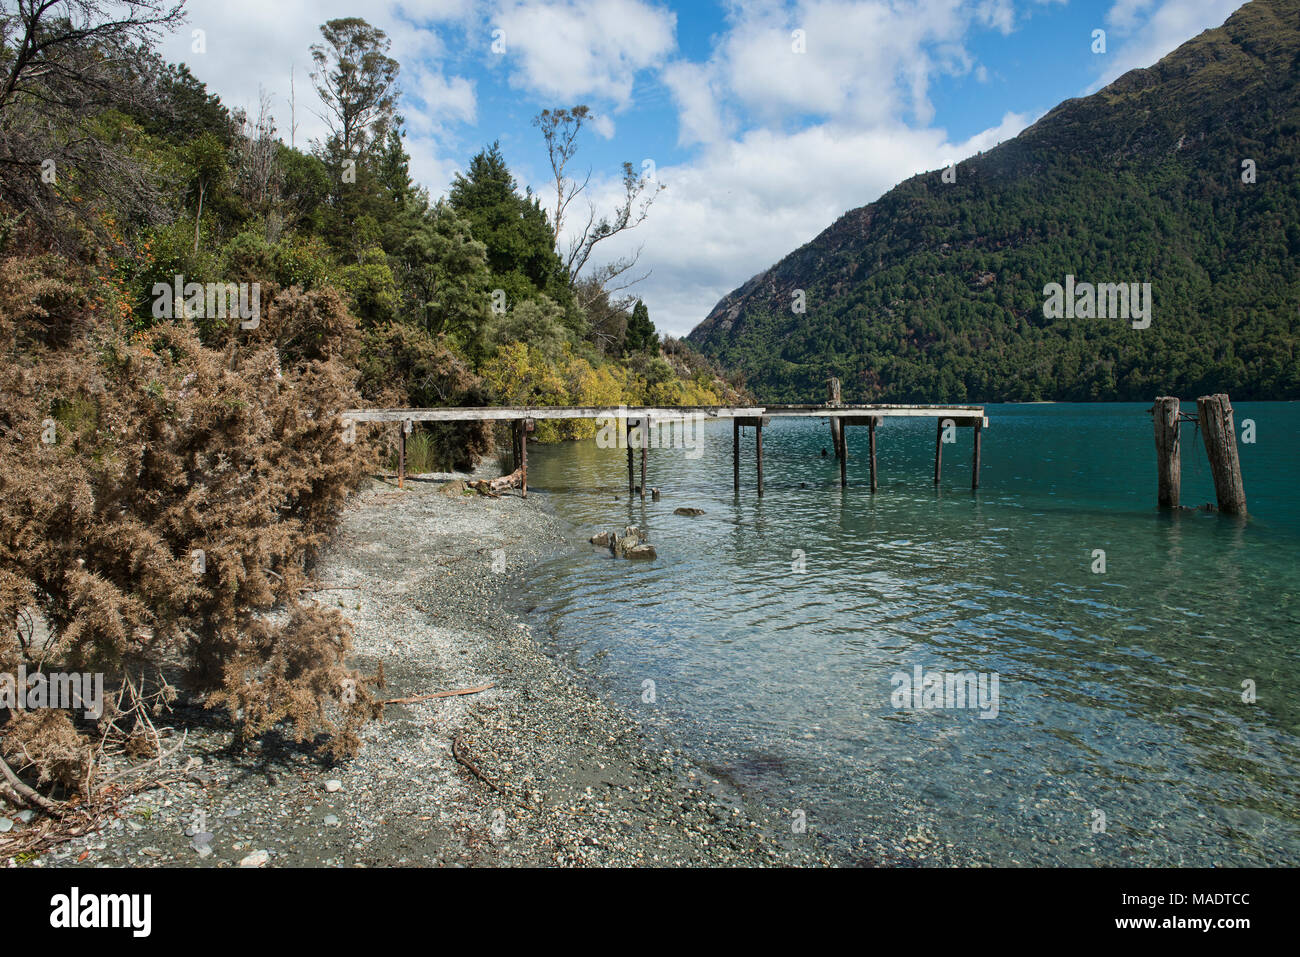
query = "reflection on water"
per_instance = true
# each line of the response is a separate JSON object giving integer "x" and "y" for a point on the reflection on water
{"x": 772, "y": 627}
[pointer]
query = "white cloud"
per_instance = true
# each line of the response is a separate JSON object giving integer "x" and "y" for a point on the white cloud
{"x": 747, "y": 203}
{"x": 699, "y": 113}
{"x": 441, "y": 97}
{"x": 584, "y": 48}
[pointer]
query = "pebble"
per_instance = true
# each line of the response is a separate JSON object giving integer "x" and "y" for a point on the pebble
{"x": 256, "y": 859}
{"x": 333, "y": 785}
{"x": 6, "y": 825}
{"x": 331, "y": 820}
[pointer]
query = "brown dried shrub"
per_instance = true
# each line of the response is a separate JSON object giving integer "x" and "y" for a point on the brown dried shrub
{"x": 165, "y": 446}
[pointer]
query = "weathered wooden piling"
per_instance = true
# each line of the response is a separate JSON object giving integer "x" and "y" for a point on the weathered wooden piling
{"x": 843, "y": 452}
{"x": 758, "y": 446}
{"x": 521, "y": 428}
{"x": 837, "y": 427}
{"x": 735, "y": 453}
{"x": 645, "y": 445}
{"x": 938, "y": 451}
{"x": 871, "y": 449}
{"x": 631, "y": 479}
{"x": 401, "y": 454}
{"x": 1214, "y": 414}
{"x": 975, "y": 456}
{"x": 1169, "y": 464}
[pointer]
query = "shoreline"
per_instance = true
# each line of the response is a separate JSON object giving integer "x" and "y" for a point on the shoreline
{"x": 534, "y": 771}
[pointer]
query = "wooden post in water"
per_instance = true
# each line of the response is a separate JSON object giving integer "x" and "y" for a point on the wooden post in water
{"x": 843, "y": 453}
{"x": 1169, "y": 456}
{"x": 735, "y": 453}
{"x": 871, "y": 448}
{"x": 758, "y": 441}
{"x": 837, "y": 426}
{"x": 938, "y": 451}
{"x": 975, "y": 455}
{"x": 1214, "y": 414}
{"x": 645, "y": 445}
{"x": 631, "y": 480}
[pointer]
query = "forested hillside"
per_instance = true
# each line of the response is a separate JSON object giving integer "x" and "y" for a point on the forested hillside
{"x": 935, "y": 292}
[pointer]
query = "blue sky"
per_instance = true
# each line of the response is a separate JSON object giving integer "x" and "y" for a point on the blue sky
{"x": 760, "y": 144}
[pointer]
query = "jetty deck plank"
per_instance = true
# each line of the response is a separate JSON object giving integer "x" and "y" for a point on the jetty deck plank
{"x": 961, "y": 414}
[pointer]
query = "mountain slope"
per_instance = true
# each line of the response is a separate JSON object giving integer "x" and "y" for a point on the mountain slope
{"x": 935, "y": 292}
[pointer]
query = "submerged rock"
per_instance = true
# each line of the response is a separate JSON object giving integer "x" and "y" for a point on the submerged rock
{"x": 688, "y": 511}
{"x": 631, "y": 543}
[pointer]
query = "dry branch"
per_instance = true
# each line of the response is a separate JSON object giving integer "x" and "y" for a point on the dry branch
{"x": 438, "y": 694}
{"x": 494, "y": 487}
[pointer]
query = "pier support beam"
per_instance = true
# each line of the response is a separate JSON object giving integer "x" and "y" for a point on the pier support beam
{"x": 645, "y": 445}
{"x": 758, "y": 444}
{"x": 938, "y": 451}
{"x": 975, "y": 455}
{"x": 1214, "y": 414}
{"x": 521, "y": 428}
{"x": 871, "y": 449}
{"x": 1168, "y": 452}
{"x": 843, "y": 452}
{"x": 401, "y": 454}
{"x": 631, "y": 480}
{"x": 837, "y": 426}
{"x": 735, "y": 453}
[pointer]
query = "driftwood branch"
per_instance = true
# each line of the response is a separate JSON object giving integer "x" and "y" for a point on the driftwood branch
{"x": 458, "y": 752}
{"x": 494, "y": 487}
{"x": 26, "y": 794}
{"x": 438, "y": 694}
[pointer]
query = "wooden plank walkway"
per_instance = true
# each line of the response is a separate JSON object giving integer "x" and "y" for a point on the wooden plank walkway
{"x": 641, "y": 417}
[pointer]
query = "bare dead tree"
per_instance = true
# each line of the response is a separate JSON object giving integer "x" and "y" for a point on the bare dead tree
{"x": 41, "y": 37}
{"x": 255, "y": 171}
{"x": 560, "y": 129}
{"x": 61, "y": 62}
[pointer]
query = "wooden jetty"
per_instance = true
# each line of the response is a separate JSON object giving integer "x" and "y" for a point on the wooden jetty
{"x": 640, "y": 418}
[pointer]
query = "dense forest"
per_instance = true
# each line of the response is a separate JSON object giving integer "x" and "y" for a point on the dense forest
{"x": 1184, "y": 176}
{"x": 188, "y": 303}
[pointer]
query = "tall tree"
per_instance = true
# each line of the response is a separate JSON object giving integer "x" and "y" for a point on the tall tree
{"x": 514, "y": 228}
{"x": 356, "y": 79}
{"x": 641, "y": 335}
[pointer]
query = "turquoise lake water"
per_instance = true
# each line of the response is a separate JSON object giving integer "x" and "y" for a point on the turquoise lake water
{"x": 1120, "y": 693}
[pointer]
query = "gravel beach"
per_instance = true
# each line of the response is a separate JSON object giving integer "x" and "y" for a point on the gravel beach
{"x": 533, "y": 771}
